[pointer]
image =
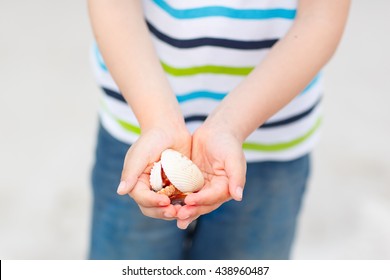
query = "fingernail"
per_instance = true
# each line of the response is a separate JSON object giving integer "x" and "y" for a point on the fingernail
{"x": 121, "y": 187}
{"x": 239, "y": 192}
{"x": 163, "y": 203}
{"x": 168, "y": 215}
{"x": 191, "y": 202}
{"x": 186, "y": 225}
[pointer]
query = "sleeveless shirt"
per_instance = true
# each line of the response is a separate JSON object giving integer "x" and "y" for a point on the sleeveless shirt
{"x": 206, "y": 47}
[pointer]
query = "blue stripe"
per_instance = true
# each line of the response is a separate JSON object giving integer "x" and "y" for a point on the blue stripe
{"x": 181, "y": 98}
{"x": 99, "y": 58}
{"x": 290, "y": 120}
{"x": 215, "y": 11}
{"x": 219, "y": 95}
{"x": 201, "y": 118}
{"x": 200, "y": 94}
{"x": 311, "y": 84}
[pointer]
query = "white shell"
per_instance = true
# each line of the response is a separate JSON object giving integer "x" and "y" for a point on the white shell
{"x": 155, "y": 179}
{"x": 181, "y": 171}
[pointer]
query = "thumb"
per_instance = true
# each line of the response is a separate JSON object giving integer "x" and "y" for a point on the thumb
{"x": 134, "y": 165}
{"x": 236, "y": 172}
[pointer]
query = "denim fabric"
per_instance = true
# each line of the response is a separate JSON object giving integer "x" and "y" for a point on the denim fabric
{"x": 262, "y": 226}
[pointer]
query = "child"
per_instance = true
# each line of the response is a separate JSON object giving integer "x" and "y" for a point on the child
{"x": 233, "y": 85}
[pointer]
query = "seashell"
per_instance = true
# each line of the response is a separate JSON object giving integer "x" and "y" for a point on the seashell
{"x": 181, "y": 171}
{"x": 155, "y": 179}
{"x": 169, "y": 191}
{"x": 175, "y": 175}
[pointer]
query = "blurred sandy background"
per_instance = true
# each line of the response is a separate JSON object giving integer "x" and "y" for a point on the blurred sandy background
{"x": 48, "y": 120}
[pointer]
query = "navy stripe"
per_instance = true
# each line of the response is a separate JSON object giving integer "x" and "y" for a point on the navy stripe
{"x": 114, "y": 94}
{"x": 202, "y": 118}
{"x": 293, "y": 118}
{"x": 207, "y": 41}
{"x": 195, "y": 118}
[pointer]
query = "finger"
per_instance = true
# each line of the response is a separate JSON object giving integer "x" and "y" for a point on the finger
{"x": 145, "y": 197}
{"x": 165, "y": 213}
{"x": 235, "y": 168}
{"x": 177, "y": 207}
{"x": 190, "y": 213}
{"x": 183, "y": 224}
{"x": 215, "y": 192}
{"x": 134, "y": 165}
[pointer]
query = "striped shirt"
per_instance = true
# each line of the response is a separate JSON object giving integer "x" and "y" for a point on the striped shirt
{"x": 206, "y": 47}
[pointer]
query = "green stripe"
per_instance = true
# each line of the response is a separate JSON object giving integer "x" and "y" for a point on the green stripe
{"x": 248, "y": 146}
{"x": 206, "y": 69}
{"x": 251, "y": 146}
{"x": 127, "y": 126}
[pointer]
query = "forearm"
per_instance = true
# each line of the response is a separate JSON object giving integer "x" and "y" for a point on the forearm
{"x": 127, "y": 49}
{"x": 288, "y": 68}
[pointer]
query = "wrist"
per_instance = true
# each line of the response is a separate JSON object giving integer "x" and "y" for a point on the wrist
{"x": 170, "y": 125}
{"x": 226, "y": 121}
{"x": 222, "y": 127}
{"x": 171, "y": 130}
{"x": 159, "y": 109}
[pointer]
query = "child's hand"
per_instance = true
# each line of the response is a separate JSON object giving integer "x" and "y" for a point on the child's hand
{"x": 138, "y": 163}
{"x": 220, "y": 157}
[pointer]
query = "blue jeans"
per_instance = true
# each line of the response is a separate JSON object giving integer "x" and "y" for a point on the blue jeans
{"x": 261, "y": 226}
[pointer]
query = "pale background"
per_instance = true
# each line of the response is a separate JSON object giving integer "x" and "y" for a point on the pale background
{"x": 48, "y": 105}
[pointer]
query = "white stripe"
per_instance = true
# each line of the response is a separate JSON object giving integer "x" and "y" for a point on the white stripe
{"x": 210, "y": 82}
{"x": 198, "y": 106}
{"x": 119, "y": 109}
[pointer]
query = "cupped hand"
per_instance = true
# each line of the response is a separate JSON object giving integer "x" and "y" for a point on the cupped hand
{"x": 220, "y": 157}
{"x": 138, "y": 163}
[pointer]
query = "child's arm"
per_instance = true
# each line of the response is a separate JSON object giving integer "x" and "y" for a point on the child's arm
{"x": 288, "y": 68}
{"x": 124, "y": 41}
{"x": 121, "y": 33}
